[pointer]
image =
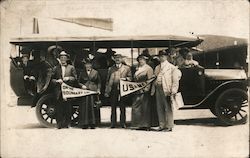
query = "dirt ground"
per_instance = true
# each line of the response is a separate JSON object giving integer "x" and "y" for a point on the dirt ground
{"x": 197, "y": 134}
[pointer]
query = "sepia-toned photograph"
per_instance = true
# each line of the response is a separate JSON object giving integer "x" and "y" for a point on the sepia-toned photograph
{"x": 124, "y": 78}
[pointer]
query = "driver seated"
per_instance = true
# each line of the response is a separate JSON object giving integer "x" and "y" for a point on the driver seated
{"x": 190, "y": 62}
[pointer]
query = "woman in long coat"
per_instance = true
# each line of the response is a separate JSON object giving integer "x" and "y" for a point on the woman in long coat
{"x": 141, "y": 109}
{"x": 90, "y": 80}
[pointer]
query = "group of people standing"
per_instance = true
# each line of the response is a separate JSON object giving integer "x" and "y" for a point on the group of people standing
{"x": 153, "y": 101}
{"x": 88, "y": 79}
{"x": 166, "y": 84}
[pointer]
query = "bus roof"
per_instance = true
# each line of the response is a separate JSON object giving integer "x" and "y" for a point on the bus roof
{"x": 111, "y": 41}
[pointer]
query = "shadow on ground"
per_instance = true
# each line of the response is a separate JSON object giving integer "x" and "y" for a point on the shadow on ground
{"x": 210, "y": 122}
{"x": 199, "y": 122}
{"x": 30, "y": 126}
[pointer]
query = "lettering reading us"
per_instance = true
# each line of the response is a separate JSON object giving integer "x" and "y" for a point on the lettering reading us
{"x": 130, "y": 87}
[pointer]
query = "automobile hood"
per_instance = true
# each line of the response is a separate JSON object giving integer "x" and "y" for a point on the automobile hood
{"x": 225, "y": 74}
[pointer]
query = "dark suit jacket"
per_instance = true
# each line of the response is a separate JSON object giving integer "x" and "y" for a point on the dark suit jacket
{"x": 28, "y": 69}
{"x": 91, "y": 81}
{"x": 69, "y": 72}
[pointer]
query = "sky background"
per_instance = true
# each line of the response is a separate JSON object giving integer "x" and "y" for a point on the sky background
{"x": 219, "y": 17}
{"x": 225, "y": 17}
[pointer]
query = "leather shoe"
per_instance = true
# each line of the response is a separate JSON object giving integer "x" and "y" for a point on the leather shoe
{"x": 124, "y": 126}
{"x": 84, "y": 127}
{"x": 92, "y": 126}
{"x": 168, "y": 130}
{"x": 160, "y": 129}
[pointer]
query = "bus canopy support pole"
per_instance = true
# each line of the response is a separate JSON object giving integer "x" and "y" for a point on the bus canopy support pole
{"x": 132, "y": 53}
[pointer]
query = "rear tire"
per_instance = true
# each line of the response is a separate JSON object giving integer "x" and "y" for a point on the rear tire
{"x": 230, "y": 107}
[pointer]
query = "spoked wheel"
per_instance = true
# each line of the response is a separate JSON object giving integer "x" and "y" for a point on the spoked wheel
{"x": 231, "y": 106}
{"x": 45, "y": 111}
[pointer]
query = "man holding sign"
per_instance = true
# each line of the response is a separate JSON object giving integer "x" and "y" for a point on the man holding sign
{"x": 64, "y": 73}
{"x": 115, "y": 73}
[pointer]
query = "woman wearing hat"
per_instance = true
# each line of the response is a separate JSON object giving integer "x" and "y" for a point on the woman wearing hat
{"x": 141, "y": 110}
{"x": 89, "y": 79}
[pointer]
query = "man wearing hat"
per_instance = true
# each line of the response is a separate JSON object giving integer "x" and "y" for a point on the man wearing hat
{"x": 28, "y": 71}
{"x": 63, "y": 73}
{"x": 115, "y": 72}
{"x": 53, "y": 54}
{"x": 165, "y": 85}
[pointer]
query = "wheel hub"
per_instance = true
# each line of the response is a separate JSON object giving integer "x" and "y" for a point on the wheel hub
{"x": 50, "y": 111}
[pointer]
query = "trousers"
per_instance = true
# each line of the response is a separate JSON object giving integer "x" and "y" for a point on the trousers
{"x": 116, "y": 101}
{"x": 164, "y": 108}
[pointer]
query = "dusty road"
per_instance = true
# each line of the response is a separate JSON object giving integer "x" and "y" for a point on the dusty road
{"x": 197, "y": 134}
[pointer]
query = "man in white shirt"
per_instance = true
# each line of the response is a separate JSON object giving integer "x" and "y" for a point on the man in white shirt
{"x": 166, "y": 84}
{"x": 66, "y": 73}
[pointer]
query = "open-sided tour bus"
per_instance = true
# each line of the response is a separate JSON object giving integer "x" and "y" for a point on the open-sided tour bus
{"x": 223, "y": 91}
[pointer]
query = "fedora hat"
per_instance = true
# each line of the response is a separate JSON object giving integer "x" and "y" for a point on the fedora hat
{"x": 26, "y": 55}
{"x": 54, "y": 47}
{"x": 164, "y": 52}
{"x": 63, "y": 53}
{"x": 117, "y": 56}
{"x": 25, "y": 50}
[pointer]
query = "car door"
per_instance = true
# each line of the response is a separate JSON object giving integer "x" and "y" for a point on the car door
{"x": 192, "y": 85}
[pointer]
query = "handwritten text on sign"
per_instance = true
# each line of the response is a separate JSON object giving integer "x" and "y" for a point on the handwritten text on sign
{"x": 72, "y": 92}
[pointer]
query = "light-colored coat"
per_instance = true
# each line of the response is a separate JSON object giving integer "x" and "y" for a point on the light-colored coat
{"x": 114, "y": 75}
{"x": 143, "y": 74}
{"x": 170, "y": 78}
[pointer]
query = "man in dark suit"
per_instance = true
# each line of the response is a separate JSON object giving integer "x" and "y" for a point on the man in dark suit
{"x": 63, "y": 73}
{"x": 29, "y": 76}
{"x": 116, "y": 72}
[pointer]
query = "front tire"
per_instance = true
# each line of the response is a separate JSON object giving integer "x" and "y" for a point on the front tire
{"x": 46, "y": 111}
{"x": 230, "y": 107}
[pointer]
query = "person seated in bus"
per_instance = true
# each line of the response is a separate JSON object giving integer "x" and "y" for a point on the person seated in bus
{"x": 109, "y": 57}
{"x": 171, "y": 54}
{"x": 179, "y": 60}
{"x": 190, "y": 62}
{"x": 28, "y": 71}
{"x": 52, "y": 56}
{"x": 89, "y": 115}
{"x": 175, "y": 57}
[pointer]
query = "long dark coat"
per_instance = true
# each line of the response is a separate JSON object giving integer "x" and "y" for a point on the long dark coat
{"x": 92, "y": 81}
{"x": 141, "y": 107}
